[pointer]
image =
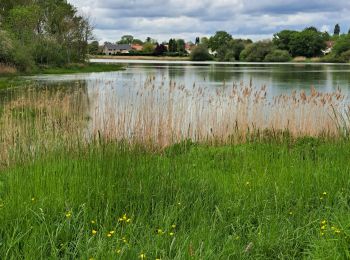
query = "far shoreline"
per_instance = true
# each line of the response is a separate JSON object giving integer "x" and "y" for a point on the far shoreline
{"x": 186, "y": 60}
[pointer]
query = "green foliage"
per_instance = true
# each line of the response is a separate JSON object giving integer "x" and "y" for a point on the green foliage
{"x": 126, "y": 39}
{"x": 200, "y": 53}
{"x": 278, "y": 56}
{"x": 283, "y": 39}
{"x": 94, "y": 48}
{"x": 43, "y": 33}
{"x": 148, "y": 48}
{"x": 341, "y": 45}
{"x": 336, "y": 29}
{"x": 172, "y": 45}
{"x": 256, "y": 52}
{"x": 308, "y": 43}
{"x": 220, "y": 39}
{"x": 230, "y": 51}
{"x": 6, "y": 47}
{"x": 180, "y": 46}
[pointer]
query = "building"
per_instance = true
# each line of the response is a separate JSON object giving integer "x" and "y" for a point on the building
{"x": 112, "y": 49}
{"x": 330, "y": 45}
{"x": 137, "y": 47}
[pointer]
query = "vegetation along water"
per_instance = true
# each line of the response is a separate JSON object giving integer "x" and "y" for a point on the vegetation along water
{"x": 170, "y": 160}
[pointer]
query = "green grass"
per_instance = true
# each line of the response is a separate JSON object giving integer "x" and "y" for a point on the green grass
{"x": 261, "y": 200}
{"x": 83, "y": 68}
{"x": 12, "y": 81}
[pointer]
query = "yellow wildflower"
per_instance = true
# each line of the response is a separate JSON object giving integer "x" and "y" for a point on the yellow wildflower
{"x": 118, "y": 251}
{"x": 94, "y": 232}
{"x": 109, "y": 235}
{"x": 128, "y": 220}
{"x": 290, "y": 212}
{"x": 33, "y": 199}
{"x": 171, "y": 234}
{"x": 124, "y": 217}
{"x": 247, "y": 183}
{"x": 68, "y": 214}
{"x": 324, "y": 193}
{"x": 323, "y": 227}
{"x": 111, "y": 232}
{"x": 93, "y": 222}
{"x": 173, "y": 226}
{"x": 324, "y": 222}
{"x": 143, "y": 256}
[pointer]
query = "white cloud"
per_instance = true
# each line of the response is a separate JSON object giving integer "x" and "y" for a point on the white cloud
{"x": 256, "y": 19}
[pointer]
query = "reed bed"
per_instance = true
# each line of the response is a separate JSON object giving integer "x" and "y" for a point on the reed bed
{"x": 164, "y": 114}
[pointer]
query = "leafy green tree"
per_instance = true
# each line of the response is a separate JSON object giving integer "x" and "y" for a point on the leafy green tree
{"x": 172, "y": 45}
{"x": 278, "y": 56}
{"x": 204, "y": 41}
{"x": 219, "y": 39}
{"x": 180, "y": 45}
{"x": 126, "y": 39}
{"x": 200, "y": 53}
{"x": 336, "y": 29}
{"x": 256, "y": 52}
{"x": 230, "y": 51}
{"x": 197, "y": 40}
{"x": 283, "y": 39}
{"x": 137, "y": 41}
{"x": 308, "y": 43}
{"x": 93, "y": 48}
{"x": 341, "y": 45}
{"x": 148, "y": 48}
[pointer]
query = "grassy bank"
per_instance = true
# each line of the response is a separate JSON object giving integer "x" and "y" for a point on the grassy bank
{"x": 262, "y": 200}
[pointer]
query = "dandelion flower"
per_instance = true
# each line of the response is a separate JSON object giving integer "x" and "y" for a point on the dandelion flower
{"x": 109, "y": 235}
{"x": 94, "y": 232}
{"x": 68, "y": 214}
{"x": 111, "y": 232}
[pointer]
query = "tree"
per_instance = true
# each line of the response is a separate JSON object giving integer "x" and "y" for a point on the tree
{"x": 230, "y": 51}
{"x": 307, "y": 43}
{"x": 336, "y": 29}
{"x": 204, "y": 41}
{"x": 172, "y": 45}
{"x": 200, "y": 53}
{"x": 282, "y": 39}
{"x": 219, "y": 39}
{"x": 137, "y": 41}
{"x": 160, "y": 50}
{"x": 256, "y": 52}
{"x": 126, "y": 39}
{"x": 148, "y": 48}
{"x": 180, "y": 45}
{"x": 197, "y": 41}
{"x": 278, "y": 56}
{"x": 341, "y": 45}
{"x": 93, "y": 47}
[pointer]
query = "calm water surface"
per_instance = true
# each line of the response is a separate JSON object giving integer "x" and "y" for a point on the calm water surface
{"x": 278, "y": 78}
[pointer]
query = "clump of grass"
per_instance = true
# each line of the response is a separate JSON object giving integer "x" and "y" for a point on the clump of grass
{"x": 82, "y": 68}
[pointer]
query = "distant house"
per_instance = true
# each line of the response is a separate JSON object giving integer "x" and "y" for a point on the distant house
{"x": 329, "y": 47}
{"x": 111, "y": 49}
{"x": 137, "y": 47}
{"x": 189, "y": 46}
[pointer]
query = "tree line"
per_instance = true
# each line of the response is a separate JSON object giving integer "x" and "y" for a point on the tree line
{"x": 36, "y": 33}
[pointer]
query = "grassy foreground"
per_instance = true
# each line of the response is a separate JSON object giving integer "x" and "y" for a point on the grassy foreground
{"x": 260, "y": 200}
{"x": 83, "y": 68}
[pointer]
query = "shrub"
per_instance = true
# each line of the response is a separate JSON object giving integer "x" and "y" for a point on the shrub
{"x": 278, "y": 56}
{"x": 345, "y": 56}
{"x": 256, "y": 51}
{"x": 200, "y": 53}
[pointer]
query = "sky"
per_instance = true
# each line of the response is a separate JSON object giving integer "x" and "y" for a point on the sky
{"x": 188, "y": 19}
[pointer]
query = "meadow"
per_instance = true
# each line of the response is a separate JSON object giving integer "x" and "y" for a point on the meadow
{"x": 174, "y": 173}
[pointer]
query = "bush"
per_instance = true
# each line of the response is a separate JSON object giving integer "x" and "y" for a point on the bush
{"x": 345, "y": 56}
{"x": 256, "y": 52}
{"x": 200, "y": 53}
{"x": 278, "y": 56}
